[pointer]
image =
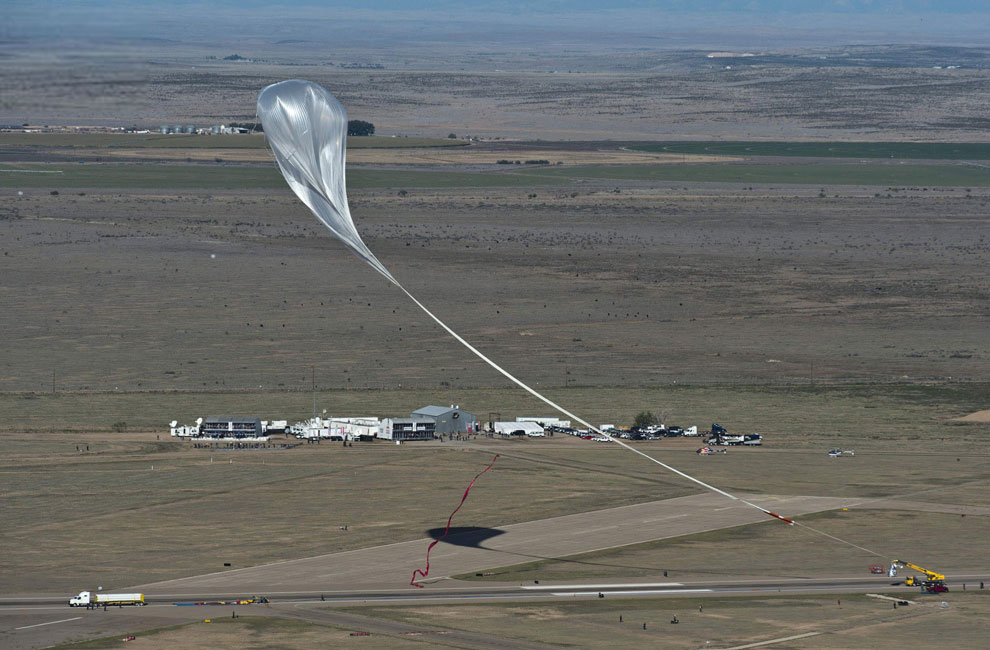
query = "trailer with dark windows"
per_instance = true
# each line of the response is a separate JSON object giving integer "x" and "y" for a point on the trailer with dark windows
{"x": 405, "y": 429}
{"x": 234, "y": 428}
{"x": 448, "y": 419}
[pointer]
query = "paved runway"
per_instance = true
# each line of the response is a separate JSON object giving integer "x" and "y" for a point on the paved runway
{"x": 391, "y": 566}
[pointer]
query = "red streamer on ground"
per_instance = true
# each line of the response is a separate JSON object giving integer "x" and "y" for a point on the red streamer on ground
{"x": 781, "y": 517}
{"x": 425, "y": 573}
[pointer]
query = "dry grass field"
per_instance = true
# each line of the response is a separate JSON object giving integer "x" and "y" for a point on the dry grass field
{"x": 579, "y": 285}
{"x": 140, "y": 500}
{"x": 857, "y": 622}
{"x": 588, "y": 92}
{"x": 250, "y": 633}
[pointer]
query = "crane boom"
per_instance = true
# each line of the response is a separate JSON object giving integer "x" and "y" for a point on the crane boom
{"x": 931, "y": 574}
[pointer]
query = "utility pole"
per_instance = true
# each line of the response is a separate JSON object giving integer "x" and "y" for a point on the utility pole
{"x": 314, "y": 390}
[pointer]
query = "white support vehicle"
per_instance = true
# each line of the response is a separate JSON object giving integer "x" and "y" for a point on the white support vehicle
{"x": 528, "y": 429}
{"x": 89, "y": 600}
{"x": 274, "y": 427}
{"x": 185, "y": 431}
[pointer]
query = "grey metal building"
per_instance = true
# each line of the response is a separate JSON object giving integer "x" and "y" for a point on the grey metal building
{"x": 449, "y": 419}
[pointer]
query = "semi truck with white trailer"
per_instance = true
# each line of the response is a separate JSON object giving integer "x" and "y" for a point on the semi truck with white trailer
{"x": 89, "y": 600}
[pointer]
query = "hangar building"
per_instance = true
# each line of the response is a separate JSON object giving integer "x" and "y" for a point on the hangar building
{"x": 448, "y": 419}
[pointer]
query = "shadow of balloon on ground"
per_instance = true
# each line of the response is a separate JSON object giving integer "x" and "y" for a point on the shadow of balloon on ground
{"x": 472, "y": 536}
{"x": 476, "y": 536}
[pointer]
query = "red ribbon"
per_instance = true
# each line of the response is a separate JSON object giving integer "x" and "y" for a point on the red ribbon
{"x": 780, "y": 517}
{"x": 425, "y": 573}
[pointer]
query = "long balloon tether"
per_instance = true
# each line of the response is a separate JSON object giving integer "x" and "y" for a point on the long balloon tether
{"x": 553, "y": 404}
{"x": 619, "y": 442}
{"x": 306, "y": 128}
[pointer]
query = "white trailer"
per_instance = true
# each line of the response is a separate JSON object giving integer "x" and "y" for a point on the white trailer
{"x": 531, "y": 429}
{"x": 352, "y": 428}
{"x": 88, "y": 599}
{"x": 547, "y": 422}
{"x": 312, "y": 429}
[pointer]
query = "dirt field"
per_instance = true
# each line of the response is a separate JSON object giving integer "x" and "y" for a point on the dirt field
{"x": 589, "y": 91}
{"x": 982, "y": 417}
{"x": 854, "y": 622}
{"x": 250, "y": 633}
{"x": 153, "y": 495}
{"x": 583, "y": 286}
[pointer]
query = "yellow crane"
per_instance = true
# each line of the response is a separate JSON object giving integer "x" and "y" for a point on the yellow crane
{"x": 934, "y": 583}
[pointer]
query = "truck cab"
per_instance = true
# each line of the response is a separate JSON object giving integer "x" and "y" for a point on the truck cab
{"x": 82, "y": 600}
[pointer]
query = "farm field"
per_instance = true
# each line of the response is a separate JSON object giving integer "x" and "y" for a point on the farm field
{"x": 183, "y": 177}
{"x": 882, "y": 175}
{"x": 829, "y": 149}
{"x": 181, "y": 141}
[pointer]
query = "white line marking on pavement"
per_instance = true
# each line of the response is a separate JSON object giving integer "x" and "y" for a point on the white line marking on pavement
{"x": 772, "y": 641}
{"x": 64, "y": 620}
{"x": 632, "y": 592}
{"x": 645, "y": 585}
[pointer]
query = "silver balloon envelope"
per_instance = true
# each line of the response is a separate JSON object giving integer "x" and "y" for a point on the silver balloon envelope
{"x": 306, "y": 128}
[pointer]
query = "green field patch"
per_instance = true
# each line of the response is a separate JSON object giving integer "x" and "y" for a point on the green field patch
{"x": 884, "y": 175}
{"x": 897, "y": 150}
{"x": 181, "y": 141}
{"x": 179, "y": 177}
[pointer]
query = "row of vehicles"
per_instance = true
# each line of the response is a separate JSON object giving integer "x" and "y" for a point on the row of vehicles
{"x": 717, "y": 437}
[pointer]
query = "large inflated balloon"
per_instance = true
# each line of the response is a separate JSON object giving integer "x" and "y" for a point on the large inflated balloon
{"x": 306, "y": 128}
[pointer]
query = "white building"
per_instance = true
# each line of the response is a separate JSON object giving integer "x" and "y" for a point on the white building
{"x": 400, "y": 429}
{"x": 531, "y": 429}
